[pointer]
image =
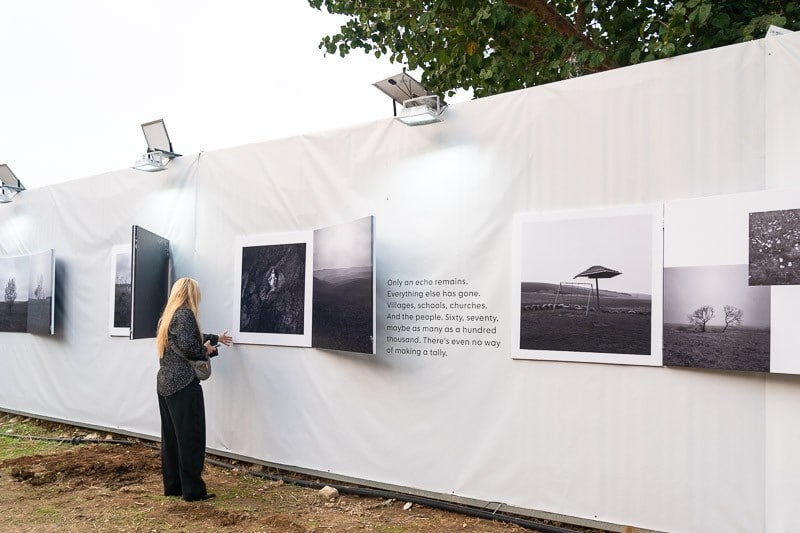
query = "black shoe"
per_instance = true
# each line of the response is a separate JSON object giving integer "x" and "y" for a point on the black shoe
{"x": 207, "y": 497}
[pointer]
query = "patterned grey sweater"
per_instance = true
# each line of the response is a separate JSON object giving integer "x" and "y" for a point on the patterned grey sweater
{"x": 175, "y": 373}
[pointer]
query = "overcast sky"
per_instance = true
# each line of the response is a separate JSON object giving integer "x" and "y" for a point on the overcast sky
{"x": 346, "y": 245}
{"x": 41, "y": 269}
{"x": 689, "y": 288}
{"x": 554, "y": 251}
{"x": 16, "y": 268}
{"x": 80, "y": 77}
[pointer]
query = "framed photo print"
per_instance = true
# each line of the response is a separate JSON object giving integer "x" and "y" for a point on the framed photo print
{"x": 274, "y": 275}
{"x": 587, "y": 285}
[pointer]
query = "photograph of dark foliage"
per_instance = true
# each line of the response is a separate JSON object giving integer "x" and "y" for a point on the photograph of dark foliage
{"x": 343, "y": 316}
{"x": 273, "y": 286}
{"x": 775, "y": 247}
{"x": 714, "y": 319}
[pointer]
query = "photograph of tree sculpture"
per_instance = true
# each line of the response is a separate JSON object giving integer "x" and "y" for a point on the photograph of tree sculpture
{"x": 344, "y": 291}
{"x": 40, "y": 293}
{"x": 14, "y": 280}
{"x": 120, "y": 296}
{"x": 273, "y": 294}
{"x": 714, "y": 319}
{"x": 586, "y": 285}
{"x": 775, "y": 247}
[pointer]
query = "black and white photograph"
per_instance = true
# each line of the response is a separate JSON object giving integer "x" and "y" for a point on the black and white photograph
{"x": 775, "y": 247}
{"x": 14, "y": 272}
{"x": 41, "y": 310}
{"x": 586, "y": 286}
{"x": 714, "y": 319}
{"x": 344, "y": 287}
{"x": 758, "y": 230}
{"x": 273, "y": 304}
{"x": 119, "y": 319}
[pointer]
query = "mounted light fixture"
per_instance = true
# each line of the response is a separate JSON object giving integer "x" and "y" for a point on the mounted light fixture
{"x": 159, "y": 147}
{"x": 421, "y": 110}
{"x": 419, "y": 106}
{"x": 151, "y": 162}
{"x": 10, "y": 185}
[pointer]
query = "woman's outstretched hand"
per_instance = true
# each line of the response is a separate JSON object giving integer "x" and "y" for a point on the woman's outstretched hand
{"x": 225, "y": 339}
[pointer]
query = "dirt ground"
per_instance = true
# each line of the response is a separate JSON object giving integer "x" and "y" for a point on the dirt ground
{"x": 51, "y": 486}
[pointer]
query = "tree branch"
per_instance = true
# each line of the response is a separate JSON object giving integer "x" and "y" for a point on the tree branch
{"x": 562, "y": 25}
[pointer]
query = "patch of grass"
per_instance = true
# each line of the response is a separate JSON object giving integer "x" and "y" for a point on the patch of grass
{"x": 47, "y": 511}
{"x": 245, "y": 488}
{"x": 739, "y": 348}
{"x": 12, "y": 447}
{"x": 393, "y": 528}
{"x": 21, "y": 426}
{"x": 574, "y": 330}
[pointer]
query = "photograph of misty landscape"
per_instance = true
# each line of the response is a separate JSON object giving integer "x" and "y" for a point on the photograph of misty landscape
{"x": 122, "y": 290}
{"x": 714, "y": 319}
{"x": 273, "y": 289}
{"x": 40, "y": 293}
{"x": 586, "y": 285}
{"x": 775, "y": 247}
{"x": 343, "y": 313}
{"x": 14, "y": 272}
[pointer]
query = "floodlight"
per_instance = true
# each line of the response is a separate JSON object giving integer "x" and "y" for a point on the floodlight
{"x": 152, "y": 162}
{"x": 419, "y": 111}
{"x": 9, "y": 183}
{"x": 420, "y": 106}
{"x": 159, "y": 147}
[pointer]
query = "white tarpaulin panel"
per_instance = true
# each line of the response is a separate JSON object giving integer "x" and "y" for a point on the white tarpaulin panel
{"x": 783, "y": 393}
{"x": 442, "y": 407}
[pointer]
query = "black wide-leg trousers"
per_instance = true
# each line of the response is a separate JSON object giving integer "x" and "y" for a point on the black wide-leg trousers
{"x": 183, "y": 442}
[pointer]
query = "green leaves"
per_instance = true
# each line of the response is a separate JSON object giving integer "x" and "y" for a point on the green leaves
{"x": 700, "y": 14}
{"x": 493, "y": 46}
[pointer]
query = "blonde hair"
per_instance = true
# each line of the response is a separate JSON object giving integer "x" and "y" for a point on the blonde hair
{"x": 185, "y": 293}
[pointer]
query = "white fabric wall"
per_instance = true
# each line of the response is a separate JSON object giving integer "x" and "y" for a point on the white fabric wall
{"x": 782, "y": 392}
{"x": 657, "y": 448}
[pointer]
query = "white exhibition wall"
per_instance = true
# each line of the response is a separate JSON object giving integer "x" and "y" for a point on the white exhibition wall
{"x": 652, "y": 447}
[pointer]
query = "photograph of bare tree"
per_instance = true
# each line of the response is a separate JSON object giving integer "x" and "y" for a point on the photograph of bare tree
{"x": 119, "y": 319}
{"x": 273, "y": 303}
{"x": 714, "y": 319}
{"x": 586, "y": 286}
{"x": 14, "y": 272}
{"x": 41, "y": 311}
{"x": 760, "y": 232}
{"x": 775, "y": 247}
{"x": 344, "y": 287}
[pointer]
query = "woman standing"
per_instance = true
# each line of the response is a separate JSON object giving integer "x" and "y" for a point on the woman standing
{"x": 180, "y": 397}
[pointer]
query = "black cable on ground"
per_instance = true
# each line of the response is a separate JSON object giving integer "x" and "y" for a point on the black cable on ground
{"x": 69, "y": 440}
{"x": 343, "y": 489}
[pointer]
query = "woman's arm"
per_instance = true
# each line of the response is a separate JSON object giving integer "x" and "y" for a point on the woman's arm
{"x": 222, "y": 338}
{"x": 184, "y": 334}
{"x": 216, "y": 340}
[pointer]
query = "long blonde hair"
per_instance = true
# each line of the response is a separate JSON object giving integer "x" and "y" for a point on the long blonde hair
{"x": 185, "y": 293}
